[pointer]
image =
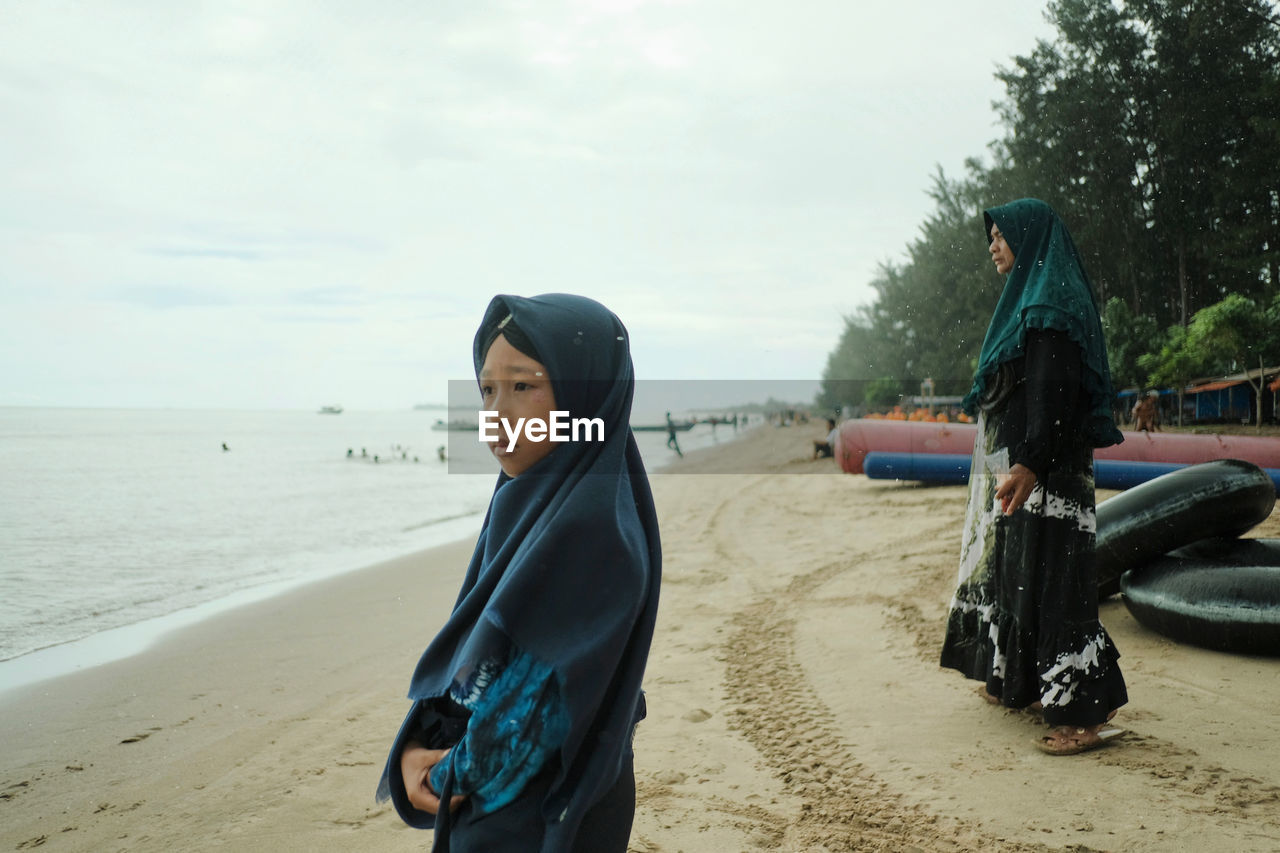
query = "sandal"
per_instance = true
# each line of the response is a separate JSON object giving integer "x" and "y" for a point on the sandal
{"x": 1069, "y": 740}
{"x": 987, "y": 697}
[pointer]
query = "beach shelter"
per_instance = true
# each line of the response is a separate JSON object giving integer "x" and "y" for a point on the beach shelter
{"x": 1222, "y": 400}
{"x": 1232, "y": 398}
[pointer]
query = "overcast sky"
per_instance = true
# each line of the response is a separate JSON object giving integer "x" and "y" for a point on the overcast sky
{"x": 288, "y": 204}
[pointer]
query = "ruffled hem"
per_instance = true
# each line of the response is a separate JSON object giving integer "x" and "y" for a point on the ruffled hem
{"x": 1069, "y": 661}
{"x": 1073, "y": 671}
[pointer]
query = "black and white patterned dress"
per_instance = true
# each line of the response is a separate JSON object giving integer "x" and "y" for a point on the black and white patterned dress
{"x": 1024, "y": 617}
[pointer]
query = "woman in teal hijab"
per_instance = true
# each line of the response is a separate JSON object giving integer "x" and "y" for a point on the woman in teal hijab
{"x": 1024, "y": 618}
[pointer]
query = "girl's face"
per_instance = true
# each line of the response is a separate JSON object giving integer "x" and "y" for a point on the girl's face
{"x": 1001, "y": 254}
{"x": 515, "y": 386}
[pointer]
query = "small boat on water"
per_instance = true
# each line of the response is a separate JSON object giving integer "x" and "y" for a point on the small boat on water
{"x": 330, "y": 410}
{"x": 455, "y": 425}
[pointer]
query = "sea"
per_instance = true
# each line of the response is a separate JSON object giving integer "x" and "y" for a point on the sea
{"x": 119, "y": 525}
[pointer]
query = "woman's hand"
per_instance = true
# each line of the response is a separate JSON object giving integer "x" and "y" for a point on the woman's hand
{"x": 416, "y": 762}
{"x": 1016, "y": 488}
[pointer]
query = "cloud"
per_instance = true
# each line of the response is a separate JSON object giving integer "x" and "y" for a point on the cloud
{"x": 163, "y": 297}
{"x": 224, "y": 254}
{"x": 259, "y": 190}
{"x": 330, "y": 296}
{"x": 321, "y": 319}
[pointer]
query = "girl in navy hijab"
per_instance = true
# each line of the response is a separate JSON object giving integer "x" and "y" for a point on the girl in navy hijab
{"x": 526, "y": 701}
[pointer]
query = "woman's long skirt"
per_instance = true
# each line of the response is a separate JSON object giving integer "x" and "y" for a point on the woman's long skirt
{"x": 1024, "y": 618}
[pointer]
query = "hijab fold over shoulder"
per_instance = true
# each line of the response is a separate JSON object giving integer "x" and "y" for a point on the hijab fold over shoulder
{"x": 1047, "y": 289}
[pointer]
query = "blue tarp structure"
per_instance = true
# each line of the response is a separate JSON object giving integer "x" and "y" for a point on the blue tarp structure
{"x": 1225, "y": 400}
{"x": 1233, "y": 398}
{"x": 1129, "y": 394}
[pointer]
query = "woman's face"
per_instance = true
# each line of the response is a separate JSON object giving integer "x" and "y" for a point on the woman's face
{"x": 1000, "y": 251}
{"x": 515, "y": 386}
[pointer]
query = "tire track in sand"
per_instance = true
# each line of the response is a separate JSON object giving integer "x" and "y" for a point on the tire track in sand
{"x": 845, "y": 807}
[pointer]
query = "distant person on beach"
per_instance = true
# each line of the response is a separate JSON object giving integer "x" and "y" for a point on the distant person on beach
{"x": 826, "y": 448}
{"x": 1024, "y": 617}
{"x": 224, "y": 447}
{"x": 1145, "y": 413}
{"x": 525, "y": 704}
{"x": 672, "y": 441}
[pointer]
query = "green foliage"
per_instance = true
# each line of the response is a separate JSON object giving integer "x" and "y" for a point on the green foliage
{"x": 843, "y": 379}
{"x": 1076, "y": 129}
{"x": 1174, "y": 364}
{"x": 1232, "y": 335}
{"x": 1152, "y": 127}
{"x": 1129, "y": 336}
{"x": 930, "y": 314}
{"x": 882, "y": 393}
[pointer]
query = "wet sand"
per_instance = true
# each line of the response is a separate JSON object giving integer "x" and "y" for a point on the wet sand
{"x": 795, "y": 702}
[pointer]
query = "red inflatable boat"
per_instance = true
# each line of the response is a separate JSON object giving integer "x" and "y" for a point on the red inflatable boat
{"x": 857, "y": 438}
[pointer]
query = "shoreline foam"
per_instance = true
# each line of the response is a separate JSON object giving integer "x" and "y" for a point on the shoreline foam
{"x": 132, "y": 638}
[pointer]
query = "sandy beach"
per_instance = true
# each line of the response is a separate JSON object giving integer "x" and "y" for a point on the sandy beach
{"x": 795, "y": 702}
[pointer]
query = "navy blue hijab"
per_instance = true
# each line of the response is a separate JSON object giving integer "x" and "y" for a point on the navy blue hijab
{"x": 568, "y": 563}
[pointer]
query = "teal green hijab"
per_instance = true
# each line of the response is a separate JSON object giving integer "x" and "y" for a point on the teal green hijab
{"x": 1047, "y": 289}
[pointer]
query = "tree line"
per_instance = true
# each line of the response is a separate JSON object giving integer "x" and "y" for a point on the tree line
{"x": 1153, "y": 128}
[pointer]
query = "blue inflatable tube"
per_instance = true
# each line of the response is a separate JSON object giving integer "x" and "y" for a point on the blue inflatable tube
{"x": 1118, "y": 474}
{"x": 953, "y": 468}
{"x": 950, "y": 468}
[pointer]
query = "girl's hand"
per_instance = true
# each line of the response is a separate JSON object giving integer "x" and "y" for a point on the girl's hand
{"x": 416, "y": 762}
{"x": 1015, "y": 488}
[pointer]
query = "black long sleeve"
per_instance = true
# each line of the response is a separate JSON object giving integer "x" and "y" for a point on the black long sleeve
{"x": 1053, "y": 368}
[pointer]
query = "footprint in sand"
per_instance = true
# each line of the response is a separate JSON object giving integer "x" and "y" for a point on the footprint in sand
{"x": 670, "y": 777}
{"x": 141, "y": 737}
{"x": 12, "y": 791}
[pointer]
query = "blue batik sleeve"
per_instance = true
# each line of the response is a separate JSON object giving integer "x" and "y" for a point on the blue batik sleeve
{"x": 518, "y": 722}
